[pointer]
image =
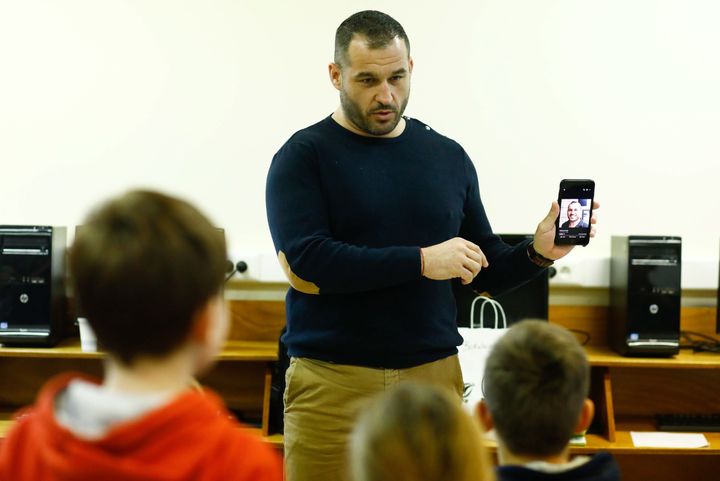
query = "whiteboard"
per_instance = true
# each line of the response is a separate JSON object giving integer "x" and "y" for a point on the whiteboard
{"x": 194, "y": 98}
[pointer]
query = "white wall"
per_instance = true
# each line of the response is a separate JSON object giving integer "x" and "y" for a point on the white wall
{"x": 194, "y": 97}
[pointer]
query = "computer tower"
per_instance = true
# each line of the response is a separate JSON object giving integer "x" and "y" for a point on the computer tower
{"x": 529, "y": 300}
{"x": 717, "y": 306}
{"x": 32, "y": 285}
{"x": 645, "y": 295}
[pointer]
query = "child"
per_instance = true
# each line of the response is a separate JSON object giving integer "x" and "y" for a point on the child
{"x": 418, "y": 432}
{"x": 148, "y": 271}
{"x": 536, "y": 386}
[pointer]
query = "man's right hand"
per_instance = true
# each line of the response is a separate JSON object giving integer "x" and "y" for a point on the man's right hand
{"x": 456, "y": 257}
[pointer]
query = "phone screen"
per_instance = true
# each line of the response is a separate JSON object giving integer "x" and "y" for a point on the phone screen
{"x": 576, "y": 200}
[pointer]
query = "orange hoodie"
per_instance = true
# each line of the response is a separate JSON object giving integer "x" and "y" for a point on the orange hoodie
{"x": 190, "y": 438}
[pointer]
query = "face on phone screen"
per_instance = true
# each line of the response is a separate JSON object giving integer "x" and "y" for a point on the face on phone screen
{"x": 573, "y": 223}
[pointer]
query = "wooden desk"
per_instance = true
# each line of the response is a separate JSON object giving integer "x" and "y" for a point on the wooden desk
{"x": 242, "y": 375}
{"x": 629, "y": 391}
{"x": 70, "y": 349}
{"x": 5, "y": 423}
{"x": 686, "y": 359}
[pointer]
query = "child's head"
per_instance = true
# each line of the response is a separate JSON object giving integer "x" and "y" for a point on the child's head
{"x": 420, "y": 433}
{"x": 148, "y": 271}
{"x": 536, "y": 386}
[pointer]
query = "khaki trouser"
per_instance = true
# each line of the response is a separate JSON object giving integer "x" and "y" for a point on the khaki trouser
{"x": 323, "y": 399}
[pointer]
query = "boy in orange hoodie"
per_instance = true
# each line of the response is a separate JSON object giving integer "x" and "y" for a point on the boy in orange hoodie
{"x": 148, "y": 272}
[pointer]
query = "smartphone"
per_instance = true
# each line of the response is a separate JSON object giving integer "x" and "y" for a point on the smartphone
{"x": 572, "y": 227}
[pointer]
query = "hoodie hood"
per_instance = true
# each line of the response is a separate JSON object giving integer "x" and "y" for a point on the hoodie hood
{"x": 190, "y": 437}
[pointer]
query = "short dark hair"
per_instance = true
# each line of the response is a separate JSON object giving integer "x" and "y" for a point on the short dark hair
{"x": 536, "y": 381}
{"x": 379, "y": 29}
{"x": 143, "y": 265}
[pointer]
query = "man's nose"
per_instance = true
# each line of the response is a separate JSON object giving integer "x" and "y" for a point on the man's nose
{"x": 384, "y": 94}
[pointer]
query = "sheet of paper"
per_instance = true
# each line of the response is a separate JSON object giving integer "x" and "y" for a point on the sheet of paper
{"x": 668, "y": 440}
{"x": 578, "y": 440}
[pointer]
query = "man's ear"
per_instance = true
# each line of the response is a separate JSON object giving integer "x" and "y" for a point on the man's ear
{"x": 200, "y": 330}
{"x": 410, "y": 64}
{"x": 335, "y": 74}
{"x": 586, "y": 416}
{"x": 483, "y": 412}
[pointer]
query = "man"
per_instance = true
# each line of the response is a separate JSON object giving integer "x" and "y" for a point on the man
{"x": 372, "y": 214}
{"x": 536, "y": 384}
{"x": 148, "y": 271}
{"x": 574, "y": 214}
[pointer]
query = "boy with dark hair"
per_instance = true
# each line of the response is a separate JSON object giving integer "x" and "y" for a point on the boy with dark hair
{"x": 536, "y": 386}
{"x": 149, "y": 273}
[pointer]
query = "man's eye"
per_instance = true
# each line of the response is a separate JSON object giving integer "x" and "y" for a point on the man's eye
{"x": 366, "y": 81}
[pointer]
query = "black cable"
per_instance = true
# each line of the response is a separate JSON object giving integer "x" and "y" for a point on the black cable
{"x": 705, "y": 343}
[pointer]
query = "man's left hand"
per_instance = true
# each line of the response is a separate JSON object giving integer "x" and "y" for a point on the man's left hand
{"x": 544, "y": 241}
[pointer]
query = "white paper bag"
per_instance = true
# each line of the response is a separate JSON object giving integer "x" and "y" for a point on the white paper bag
{"x": 477, "y": 342}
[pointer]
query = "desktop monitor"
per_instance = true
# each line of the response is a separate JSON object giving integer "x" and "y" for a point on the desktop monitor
{"x": 529, "y": 300}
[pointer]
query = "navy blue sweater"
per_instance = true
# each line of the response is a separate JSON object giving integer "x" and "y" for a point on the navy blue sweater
{"x": 348, "y": 215}
{"x": 601, "y": 467}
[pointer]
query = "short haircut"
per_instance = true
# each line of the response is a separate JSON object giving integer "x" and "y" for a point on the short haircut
{"x": 417, "y": 432}
{"x": 377, "y": 28}
{"x": 536, "y": 381}
{"x": 143, "y": 265}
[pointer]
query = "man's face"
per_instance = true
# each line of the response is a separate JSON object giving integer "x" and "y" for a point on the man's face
{"x": 374, "y": 86}
{"x": 573, "y": 212}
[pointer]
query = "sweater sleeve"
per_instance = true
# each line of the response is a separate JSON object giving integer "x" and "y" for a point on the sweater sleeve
{"x": 314, "y": 261}
{"x": 509, "y": 266}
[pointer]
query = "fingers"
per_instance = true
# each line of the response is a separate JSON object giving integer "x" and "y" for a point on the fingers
{"x": 548, "y": 223}
{"x": 593, "y": 219}
{"x": 472, "y": 261}
{"x": 478, "y": 257}
{"x": 456, "y": 257}
{"x": 466, "y": 276}
{"x": 472, "y": 267}
{"x": 473, "y": 247}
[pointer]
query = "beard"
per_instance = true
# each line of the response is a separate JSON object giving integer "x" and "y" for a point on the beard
{"x": 364, "y": 121}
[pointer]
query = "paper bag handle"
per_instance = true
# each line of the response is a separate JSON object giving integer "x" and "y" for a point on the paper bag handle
{"x": 497, "y": 308}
